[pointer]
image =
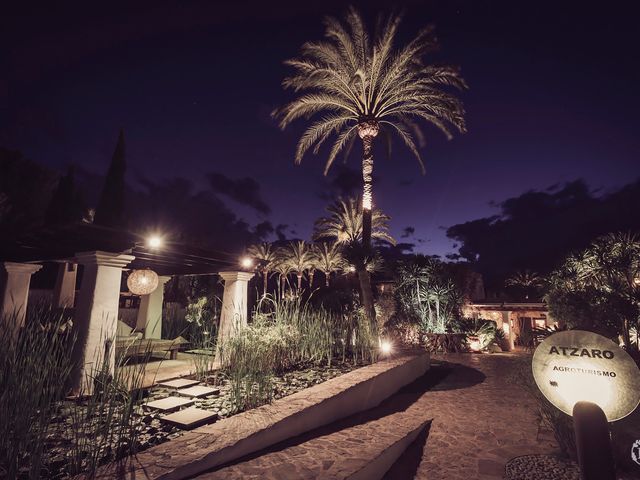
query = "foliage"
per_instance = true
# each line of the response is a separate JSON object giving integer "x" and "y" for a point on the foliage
{"x": 344, "y": 223}
{"x": 34, "y": 366}
{"x": 265, "y": 257}
{"x": 426, "y": 295}
{"x": 328, "y": 259}
{"x": 299, "y": 258}
{"x": 598, "y": 288}
{"x": 526, "y": 283}
{"x": 289, "y": 333}
{"x": 111, "y": 206}
{"x": 354, "y": 76}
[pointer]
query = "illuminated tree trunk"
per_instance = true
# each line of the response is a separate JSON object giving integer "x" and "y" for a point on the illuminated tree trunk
{"x": 299, "y": 281}
{"x": 326, "y": 278}
{"x": 265, "y": 278}
{"x": 311, "y": 274}
{"x": 367, "y": 131}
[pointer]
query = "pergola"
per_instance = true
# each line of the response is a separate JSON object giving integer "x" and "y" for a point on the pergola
{"x": 104, "y": 254}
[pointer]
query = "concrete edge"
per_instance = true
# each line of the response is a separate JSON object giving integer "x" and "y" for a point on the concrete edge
{"x": 359, "y": 397}
{"x": 376, "y": 469}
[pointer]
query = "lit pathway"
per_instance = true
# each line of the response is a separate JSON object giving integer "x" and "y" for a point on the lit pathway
{"x": 480, "y": 421}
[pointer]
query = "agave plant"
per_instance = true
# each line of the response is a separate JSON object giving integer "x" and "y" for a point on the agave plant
{"x": 363, "y": 85}
{"x": 265, "y": 257}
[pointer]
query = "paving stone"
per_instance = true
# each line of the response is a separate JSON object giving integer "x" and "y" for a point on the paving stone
{"x": 190, "y": 418}
{"x": 170, "y": 403}
{"x": 179, "y": 383}
{"x": 198, "y": 391}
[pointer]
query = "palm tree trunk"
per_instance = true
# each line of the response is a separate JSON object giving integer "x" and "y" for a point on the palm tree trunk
{"x": 299, "y": 281}
{"x": 367, "y": 130}
{"x": 326, "y": 278}
{"x": 311, "y": 274}
{"x": 265, "y": 277}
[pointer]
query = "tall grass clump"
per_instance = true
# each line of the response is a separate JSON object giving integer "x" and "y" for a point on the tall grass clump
{"x": 34, "y": 367}
{"x": 289, "y": 334}
{"x": 104, "y": 424}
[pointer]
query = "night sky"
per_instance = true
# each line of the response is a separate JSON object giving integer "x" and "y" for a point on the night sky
{"x": 553, "y": 97}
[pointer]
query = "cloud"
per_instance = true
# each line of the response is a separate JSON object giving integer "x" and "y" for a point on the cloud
{"x": 344, "y": 182}
{"x": 407, "y": 232}
{"x": 280, "y": 231}
{"x": 245, "y": 191}
{"x": 263, "y": 229}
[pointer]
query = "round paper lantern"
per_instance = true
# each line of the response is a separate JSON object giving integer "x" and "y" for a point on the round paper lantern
{"x": 142, "y": 282}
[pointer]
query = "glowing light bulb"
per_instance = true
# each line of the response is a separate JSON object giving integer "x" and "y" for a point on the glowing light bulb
{"x": 386, "y": 347}
{"x": 154, "y": 241}
{"x": 246, "y": 262}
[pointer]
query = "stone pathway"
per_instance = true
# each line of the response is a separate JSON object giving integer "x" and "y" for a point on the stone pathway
{"x": 182, "y": 417}
{"x": 480, "y": 420}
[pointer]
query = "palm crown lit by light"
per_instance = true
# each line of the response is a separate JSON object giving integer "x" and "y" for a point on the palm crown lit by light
{"x": 363, "y": 84}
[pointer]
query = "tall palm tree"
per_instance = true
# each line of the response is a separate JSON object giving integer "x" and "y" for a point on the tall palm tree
{"x": 363, "y": 85}
{"x": 344, "y": 223}
{"x": 265, "y": 258}
{"x": 298, "y": 256}
{"x": 328, "y": 259}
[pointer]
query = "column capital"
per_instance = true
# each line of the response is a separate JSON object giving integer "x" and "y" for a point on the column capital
{"x": 107, "y": 259}
{"x": 15, "y": 267}
{"x": 236, "y": 275}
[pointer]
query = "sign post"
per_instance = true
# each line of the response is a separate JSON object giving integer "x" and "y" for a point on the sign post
{"x": 591, "y": 378}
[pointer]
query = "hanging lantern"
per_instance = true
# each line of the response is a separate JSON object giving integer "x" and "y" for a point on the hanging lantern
{"x": 142, "y": 282}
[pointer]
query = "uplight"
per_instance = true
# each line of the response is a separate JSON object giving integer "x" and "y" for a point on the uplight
{"x": 386, "y": 347}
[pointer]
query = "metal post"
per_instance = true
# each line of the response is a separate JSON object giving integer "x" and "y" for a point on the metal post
{"x": 593, "y": 442}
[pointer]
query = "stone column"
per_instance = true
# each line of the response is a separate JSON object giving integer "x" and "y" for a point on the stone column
{"x": 234, "y": 304}
{"x": 150, "y": 311}
{"x": 506, "y": 320}
{"x": 96, "y": 317}
{"x": 64, "y": 293}
{"x": 14, "y": 282}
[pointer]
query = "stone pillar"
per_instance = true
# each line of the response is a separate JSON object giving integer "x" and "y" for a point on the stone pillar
{"x": 506, "y": 320}
{"x": 150, "y": 311}
{"x": 234, "y": 304}
{"x": 64, "y": 293}
{"x": 96, "y": 316}
{"x": 14, "y": 283}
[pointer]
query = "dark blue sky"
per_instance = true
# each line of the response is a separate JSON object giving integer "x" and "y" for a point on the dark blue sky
{"x": 553, "y": 97}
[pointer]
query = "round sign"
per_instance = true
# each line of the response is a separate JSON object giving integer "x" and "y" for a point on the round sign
{"x": 575, "y": 365}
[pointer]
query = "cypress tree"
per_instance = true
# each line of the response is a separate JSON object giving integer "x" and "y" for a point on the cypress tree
{"x": 66, "y": 205}
{"x": 110, "y": 210}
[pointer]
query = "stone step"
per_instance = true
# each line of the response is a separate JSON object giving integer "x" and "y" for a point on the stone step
{"x": 170, "y": 403}
{"x": 189, "y": 418}
{"x": 362, "y": 452}
{"x": 179, "y": 383}
{"x": 198, "y": 391}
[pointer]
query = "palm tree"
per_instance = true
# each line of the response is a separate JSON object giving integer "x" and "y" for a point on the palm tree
{"x": 265, "y": 258}
{"x": 282, "y": 268}
{"x": 298, "y": 256}
{"x": 328, "y": 259}
{"x": 526, "y": 280}
{"x": 344, "y": 223}
{"x": 364, "y": 86}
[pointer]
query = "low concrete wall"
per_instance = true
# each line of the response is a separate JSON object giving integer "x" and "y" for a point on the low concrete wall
{"x": 213, "y": 445}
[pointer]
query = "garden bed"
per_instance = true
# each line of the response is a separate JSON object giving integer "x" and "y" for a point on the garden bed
{"x": 150, "y": 430}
